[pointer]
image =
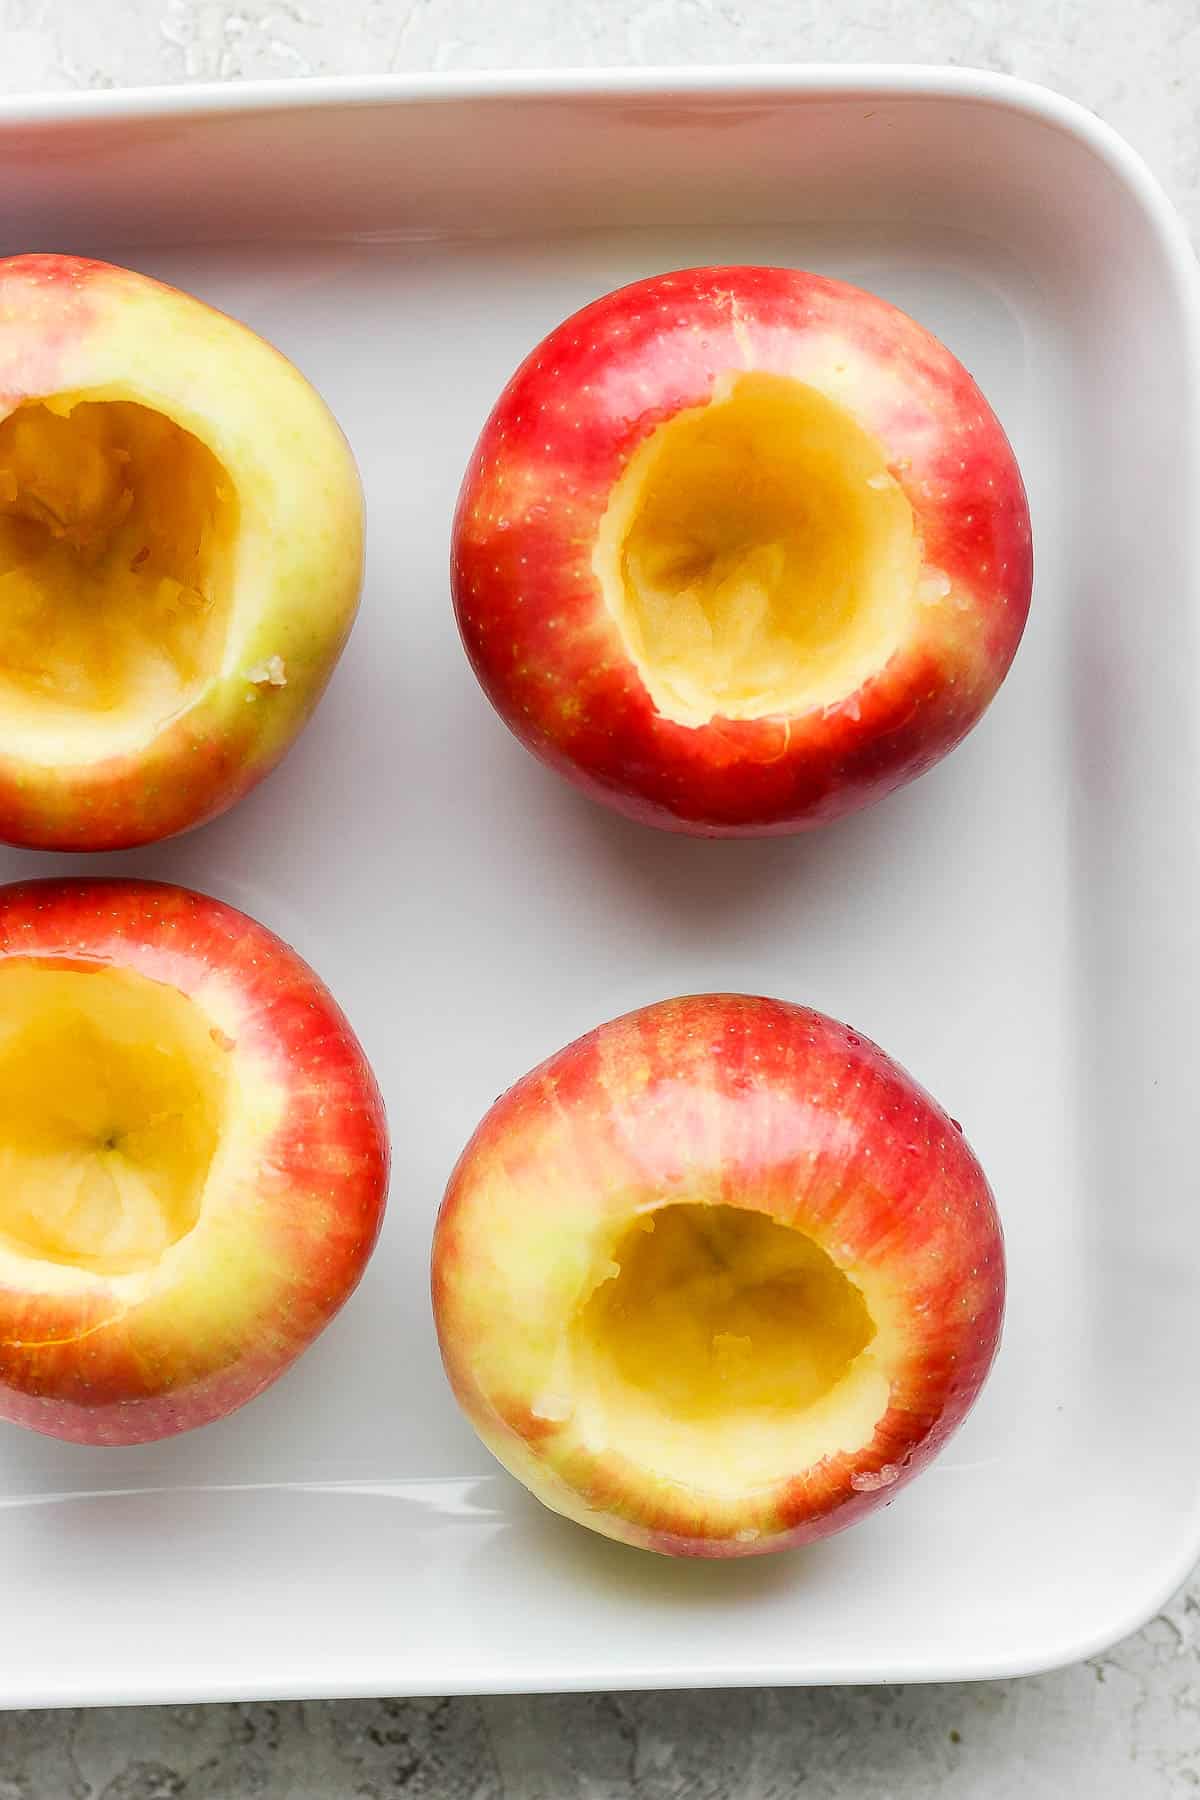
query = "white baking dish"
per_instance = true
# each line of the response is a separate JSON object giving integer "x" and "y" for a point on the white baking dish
{"x": 1019, "y": 927}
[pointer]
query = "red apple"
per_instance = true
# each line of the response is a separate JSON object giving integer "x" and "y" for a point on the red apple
{"x": 740, "y": 550}
{"x": 193, "y": 1159}
{"x": 717, "y": 1279}
{"x": 180, "y": 555}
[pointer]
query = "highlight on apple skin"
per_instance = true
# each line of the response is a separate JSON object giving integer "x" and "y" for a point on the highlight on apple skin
{"x": 717, "y": 1279}
{"x": 181, "y": 545}
{"x": 193, "y": 1159}
{"x": 741, "y": 550}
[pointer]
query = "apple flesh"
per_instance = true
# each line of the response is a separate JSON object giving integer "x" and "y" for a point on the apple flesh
{"x": 717, "y": 1279}
{"x": 740, "y": 550}
{"x": 180, "y": 555}
{"x": 193, "y": 1159}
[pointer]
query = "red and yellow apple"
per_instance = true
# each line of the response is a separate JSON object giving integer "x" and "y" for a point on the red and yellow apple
{"x": 193, "y": 1159}
{"x": 740, "y": 550}
{"x": 180, "y": 555}
{"x": 717, "y": 1279}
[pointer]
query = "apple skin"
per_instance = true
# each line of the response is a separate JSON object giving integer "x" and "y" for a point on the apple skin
{"x": 752, "y": 1103}
{"x": 67, "y": 325}
{"x": 539, "y": 633}
{"x": 256, "y": 1284}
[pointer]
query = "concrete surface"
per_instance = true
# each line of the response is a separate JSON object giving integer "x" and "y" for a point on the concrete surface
{"x": 1124, "y": 1727}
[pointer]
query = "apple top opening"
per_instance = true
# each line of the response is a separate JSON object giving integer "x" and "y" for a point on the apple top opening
{"x": 757, "y": 555}
{"x": 724, "y": 1350}
{"x": 113, "y": 1096}
{"x": 117, "y": 536}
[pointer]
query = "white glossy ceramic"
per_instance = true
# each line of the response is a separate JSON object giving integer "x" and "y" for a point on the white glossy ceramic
{"x": 1019, "y": 927}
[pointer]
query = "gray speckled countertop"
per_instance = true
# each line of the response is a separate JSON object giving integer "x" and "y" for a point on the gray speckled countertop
{"x": 1123, "y": 1727}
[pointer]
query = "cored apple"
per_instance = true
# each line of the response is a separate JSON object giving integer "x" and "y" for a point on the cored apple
{"x": 193, "y": 1159}
{"x": 740, "y": 550}
{"x": 717, "y": 1279}
{"x": 180, "y": 555}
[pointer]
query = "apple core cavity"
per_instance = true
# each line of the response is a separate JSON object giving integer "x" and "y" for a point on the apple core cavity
{"x": 117, "y": 536}
{"x": 757, "y": 554}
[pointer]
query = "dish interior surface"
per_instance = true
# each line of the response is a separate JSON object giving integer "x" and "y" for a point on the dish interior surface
{"x": 1014, "y": 928}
